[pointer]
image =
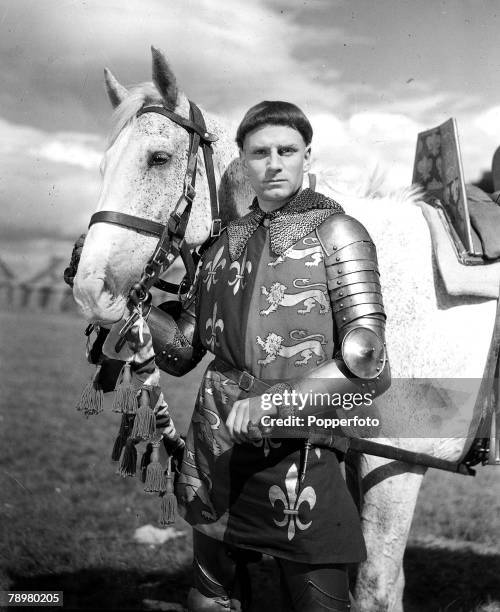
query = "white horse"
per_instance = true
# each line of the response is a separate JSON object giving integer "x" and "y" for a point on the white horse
{"x": 429, "y": 333}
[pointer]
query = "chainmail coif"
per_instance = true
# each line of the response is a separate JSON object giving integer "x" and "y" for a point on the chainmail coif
{"x": 300, "y": 216}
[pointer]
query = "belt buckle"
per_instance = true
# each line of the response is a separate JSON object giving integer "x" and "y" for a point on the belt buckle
{"x": 189, "y": 191}
{"x": 245, "y": 381}
{"x": 216, "y": 228}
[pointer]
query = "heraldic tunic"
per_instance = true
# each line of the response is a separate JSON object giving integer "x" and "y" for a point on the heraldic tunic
{"x": 263, "y": 307}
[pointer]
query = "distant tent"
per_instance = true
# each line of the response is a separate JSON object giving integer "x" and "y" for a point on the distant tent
{"x": 7, "y": 283}
{"x": 6, "y": 274}
{"x": 46, "y": 289}
{"x": 52, "y": 274}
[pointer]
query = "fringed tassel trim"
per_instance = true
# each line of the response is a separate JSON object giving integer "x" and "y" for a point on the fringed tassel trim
{"x": 168, "y": 500}
{"x": 121, "y": 438}
{"x": 145, "y": 420}
{"x": 125, "y": 396}
{"x": 128, "y": 464}
{"x": 92, "y": 398}
{"x": 155, "y": 481}
{"x": 145, "y": 461}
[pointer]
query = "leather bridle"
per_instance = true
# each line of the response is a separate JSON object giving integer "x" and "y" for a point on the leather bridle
{"x": 171, "y": 241}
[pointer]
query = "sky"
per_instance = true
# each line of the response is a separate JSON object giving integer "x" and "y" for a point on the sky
{"x": 370, "y": 75}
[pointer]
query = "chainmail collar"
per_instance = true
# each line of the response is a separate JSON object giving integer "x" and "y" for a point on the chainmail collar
{"x": 297, "y": 218}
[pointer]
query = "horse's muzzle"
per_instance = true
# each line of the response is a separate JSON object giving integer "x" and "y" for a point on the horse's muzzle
{"x": 96, "y": 303}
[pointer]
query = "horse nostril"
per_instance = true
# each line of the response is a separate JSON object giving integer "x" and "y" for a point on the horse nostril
{"x": 109, "y": 284}
{"x": 106, "y": 286}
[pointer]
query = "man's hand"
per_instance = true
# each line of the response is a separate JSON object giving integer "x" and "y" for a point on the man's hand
{"x": 244, "y": 418}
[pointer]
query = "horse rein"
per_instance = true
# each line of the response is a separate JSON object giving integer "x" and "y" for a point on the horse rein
{"x": 171, "y": 235}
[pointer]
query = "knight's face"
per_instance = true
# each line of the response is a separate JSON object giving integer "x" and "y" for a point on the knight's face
{"x": 275, "y": 158}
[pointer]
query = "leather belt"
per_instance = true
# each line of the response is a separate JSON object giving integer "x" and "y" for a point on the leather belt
{"x": 245, "y": 381}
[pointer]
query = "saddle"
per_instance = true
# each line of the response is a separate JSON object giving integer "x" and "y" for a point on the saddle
{"x": 467, "y": 219}
{"x": 470, "y": 216}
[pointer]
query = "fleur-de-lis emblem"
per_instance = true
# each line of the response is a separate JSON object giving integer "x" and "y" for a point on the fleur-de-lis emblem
{"x": 213, "y": 324}
{"x": 424, "y": 167}
{"x": 268, "y": 445}
{"x": 439, "y": 165}
{"x": 291, "y": 502}
{"x": 212, "y": 267}
{"x": 434, "y": 143}
{"x": 239, "y": 279}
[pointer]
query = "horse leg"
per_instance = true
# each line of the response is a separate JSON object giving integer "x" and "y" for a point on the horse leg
{"x": 389, "y": 494}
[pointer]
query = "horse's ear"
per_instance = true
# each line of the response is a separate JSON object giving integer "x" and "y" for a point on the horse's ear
{"x": 116, "y": 92}
{"x": 164, "y": 79}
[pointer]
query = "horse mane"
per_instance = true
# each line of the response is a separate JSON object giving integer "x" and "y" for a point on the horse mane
{"x": 139, "y": 95}
{"x": 372, "y": 187}
{"x": 376, "y": 187}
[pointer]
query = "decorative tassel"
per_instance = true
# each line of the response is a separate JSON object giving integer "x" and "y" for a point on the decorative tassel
{"x": 128, "y": 463}
{"x": 168, "y": 499}
{"x": 121, "y": 438}
{"x": 146, "y": 460}
{"x": 145, "y": 420}
{"x": 155, "y": 475}
{"x": 125, "y": 398}
{"x": 91, "y": 400}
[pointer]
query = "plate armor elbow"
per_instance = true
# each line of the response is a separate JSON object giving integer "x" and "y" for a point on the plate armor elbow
{"x": 355, "y": 294}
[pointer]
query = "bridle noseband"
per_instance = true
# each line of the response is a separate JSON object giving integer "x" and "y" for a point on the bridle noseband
{"x": 171, "y": 236}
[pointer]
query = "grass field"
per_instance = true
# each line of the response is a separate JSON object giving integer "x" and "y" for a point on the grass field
{"x": 67, "y": 521}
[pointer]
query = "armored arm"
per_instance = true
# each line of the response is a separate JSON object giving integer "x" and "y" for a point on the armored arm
{"x": 360, "y": 363}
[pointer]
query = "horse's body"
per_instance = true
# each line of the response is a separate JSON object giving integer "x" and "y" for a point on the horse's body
{"x": 429, "y": 334}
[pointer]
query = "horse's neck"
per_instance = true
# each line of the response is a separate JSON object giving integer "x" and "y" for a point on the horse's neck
{"x": 234, "y": 191}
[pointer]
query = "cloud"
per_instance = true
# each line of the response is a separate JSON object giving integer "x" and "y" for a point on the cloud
{"x": 226, "y": 58}
{"x": 351, "y": 149}
{"x": 366, "y": 102}
{"x": 328, "y": 130}
{"x": 382, "y": 127}
{"x": 66, "y": 151}
{"x": 49, "y": 182}
{"x": 489, "y": 123}
{"x": 74, "y": 148}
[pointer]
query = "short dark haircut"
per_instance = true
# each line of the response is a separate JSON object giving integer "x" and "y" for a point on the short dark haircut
{"x": 274, "y": 112}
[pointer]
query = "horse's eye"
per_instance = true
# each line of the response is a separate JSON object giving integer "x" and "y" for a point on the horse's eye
{"x": 158, "y": 158}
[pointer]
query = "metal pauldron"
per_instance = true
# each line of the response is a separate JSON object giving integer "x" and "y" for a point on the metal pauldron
{"x": 355, "y": 294}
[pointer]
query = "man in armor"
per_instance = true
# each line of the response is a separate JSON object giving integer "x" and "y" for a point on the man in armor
{"x": 288, "y": 300}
